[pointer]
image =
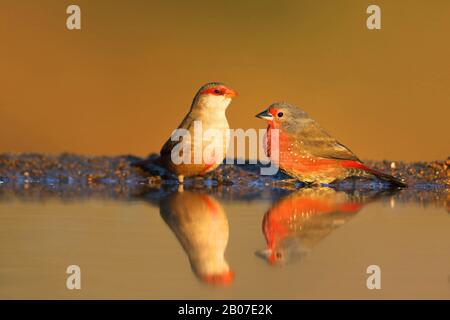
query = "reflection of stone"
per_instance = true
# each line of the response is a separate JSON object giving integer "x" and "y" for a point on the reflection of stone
{"x": 296, "y": 223}
{"x": 201, "y": 226}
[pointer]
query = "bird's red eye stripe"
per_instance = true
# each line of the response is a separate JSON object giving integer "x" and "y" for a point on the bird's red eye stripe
{"x": 273, "y": 112}
{"x": 215, "y": 91}
{"x": 220, "y": 91}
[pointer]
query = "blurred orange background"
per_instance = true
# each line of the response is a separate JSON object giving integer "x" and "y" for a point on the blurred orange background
{"x": 126, "y": 80}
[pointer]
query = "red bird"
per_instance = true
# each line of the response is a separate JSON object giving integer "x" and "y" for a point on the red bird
{"x": 297, "y": 223}
{"x": 308, "y": 153}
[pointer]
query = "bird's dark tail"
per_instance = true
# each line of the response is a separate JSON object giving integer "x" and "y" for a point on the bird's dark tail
{"x": 153, "y": 164}
{"x": 394, "y": 182}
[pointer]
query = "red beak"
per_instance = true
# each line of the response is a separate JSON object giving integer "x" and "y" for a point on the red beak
{"x": 230, "y": 93}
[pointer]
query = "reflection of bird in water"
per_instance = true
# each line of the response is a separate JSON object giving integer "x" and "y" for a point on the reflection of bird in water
{"x": 296, "y": 223}
{"x": 201, "y": 226}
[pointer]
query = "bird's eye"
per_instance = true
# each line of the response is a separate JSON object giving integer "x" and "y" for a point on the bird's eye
{"x": 217, "y": 91}
{"x": 280, "y": 114}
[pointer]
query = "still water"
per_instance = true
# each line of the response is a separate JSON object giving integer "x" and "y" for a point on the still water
{"x": 304, "y": 244}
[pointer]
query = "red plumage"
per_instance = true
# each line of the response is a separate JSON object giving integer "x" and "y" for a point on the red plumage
{"x": 309, "y": 153}
{"x": 296, "y": 223}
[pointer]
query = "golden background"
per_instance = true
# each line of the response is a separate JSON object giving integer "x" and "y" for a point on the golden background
{"x": 125, "y": 81}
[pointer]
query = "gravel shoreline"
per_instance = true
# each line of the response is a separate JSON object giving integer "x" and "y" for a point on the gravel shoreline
{"x": 73, "y": 177}
{"x": 71, "y": 168}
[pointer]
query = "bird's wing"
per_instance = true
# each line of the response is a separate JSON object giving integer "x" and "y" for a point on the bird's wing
{"x": 318, "y": 143}
{"x": 168, "y": 146}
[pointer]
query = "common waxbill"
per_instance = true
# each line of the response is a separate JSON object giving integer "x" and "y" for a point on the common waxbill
{"x": 308, "y": 153}
{"x": 208, "y": 107}
{"x": 201, "y": 226}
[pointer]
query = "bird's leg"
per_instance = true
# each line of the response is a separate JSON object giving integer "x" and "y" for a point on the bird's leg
{"x": 310, "y": 184}
{"x": 180, "y": 183}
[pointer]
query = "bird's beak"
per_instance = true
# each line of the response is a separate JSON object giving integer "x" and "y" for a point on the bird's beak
{"x": 267, "y": 254}
{"x": 230, "y": 93}
{"x": 266, "y": 115}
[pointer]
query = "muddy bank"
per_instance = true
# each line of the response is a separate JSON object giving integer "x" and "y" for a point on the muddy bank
{"x": 69, "y": 176}
{"x": 77, "y": 169}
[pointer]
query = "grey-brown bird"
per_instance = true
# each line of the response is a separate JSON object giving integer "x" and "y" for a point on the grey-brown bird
{"x": 208, "y": 108}
{"x": 298, "y": 222}
{"x": 309, "y": 153}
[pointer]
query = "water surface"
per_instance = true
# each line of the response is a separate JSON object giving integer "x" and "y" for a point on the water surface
{"x": 300, "y": 244}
